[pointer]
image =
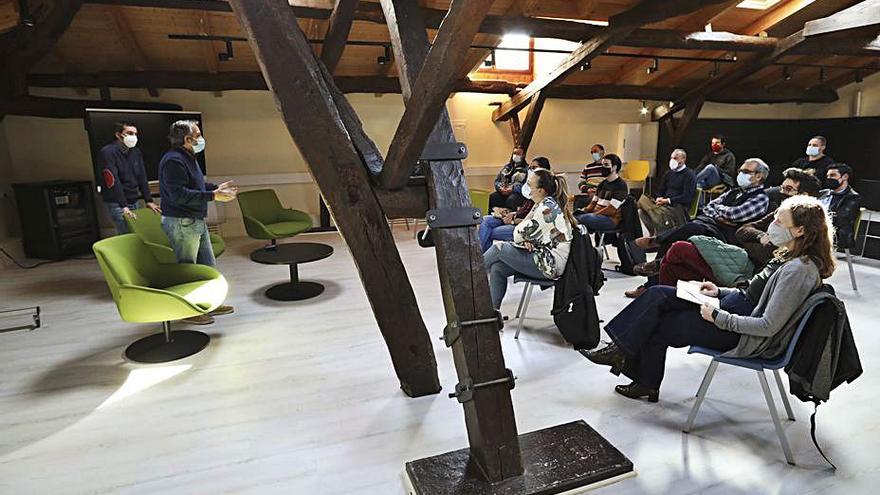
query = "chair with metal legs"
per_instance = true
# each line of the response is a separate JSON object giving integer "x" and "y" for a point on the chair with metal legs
{"x": 527, "y": 297}
{"x": 759, "y": 365}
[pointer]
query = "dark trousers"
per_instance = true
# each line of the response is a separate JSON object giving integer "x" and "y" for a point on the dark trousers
{"x": 512, "y": 201}
{"x": 658, "y": 320}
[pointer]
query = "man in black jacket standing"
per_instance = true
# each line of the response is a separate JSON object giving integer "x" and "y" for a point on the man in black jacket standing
{"x": 842, "y": 201}
{"x": 124, "y": 177}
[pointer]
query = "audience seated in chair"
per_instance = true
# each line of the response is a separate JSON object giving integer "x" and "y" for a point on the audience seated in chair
{"x": 541, "y": 242}
{"x": 718, "y": 167}
{"x": 498, "y": 225}
{"x": 674, "y": 197}
{"x": 509, "y": 182}
{"x": 750, "y": 322}
{"x": 592, "y": 174}
{"x": 603, "y": 212}
{"x": 842, "y": 201}
{"x": 720, "y": 218}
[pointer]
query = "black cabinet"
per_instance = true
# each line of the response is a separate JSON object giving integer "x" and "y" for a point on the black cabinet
{"x": 58, "y": 218}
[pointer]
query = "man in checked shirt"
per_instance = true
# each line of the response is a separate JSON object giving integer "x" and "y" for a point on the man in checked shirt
{"x": 720, "y": 218}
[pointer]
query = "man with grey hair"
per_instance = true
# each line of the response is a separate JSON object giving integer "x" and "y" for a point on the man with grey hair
{"x": 674, "y": 197}
{"x": 185, "y": 196}
{"x": 720, "y": 218}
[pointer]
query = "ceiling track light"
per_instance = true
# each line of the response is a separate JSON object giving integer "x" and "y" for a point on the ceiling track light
{"x": 786, "y": 75}
{"x": 654, "y": 67}
{"x": 821, "y": 74}
{"x": 859, "y": 77}
{"x": 716, "y": 68}
{"x": 228, "y": 54}
{"x": 586, "y": 65}
{"x": 24, "y": 14}
{"x": 387, "y": 56}
{"x": 644, "y": 109}
{"x": 490, "y": 60}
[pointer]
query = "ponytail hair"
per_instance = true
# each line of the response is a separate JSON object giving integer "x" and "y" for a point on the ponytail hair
{"x": 556, "y": 187}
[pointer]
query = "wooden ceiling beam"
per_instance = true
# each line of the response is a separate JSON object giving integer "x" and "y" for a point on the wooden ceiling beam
{"x": 432, "y": 88}
{"x": 253, "y": 81}
{"x": 864, "y": 16}
{"x": 337, "y": 33}
{"x": 620, "y": 26}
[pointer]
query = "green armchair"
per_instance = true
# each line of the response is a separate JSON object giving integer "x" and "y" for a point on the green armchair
{"x": 265, "y": 218}
{"x": 148, "y": 227}
{"x": 146, "y": 291}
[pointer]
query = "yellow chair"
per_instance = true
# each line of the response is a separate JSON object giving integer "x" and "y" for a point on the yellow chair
{"x": 480, "y": 199}
{"x": 706, "y": 195}
{"x": 636, "y": 171}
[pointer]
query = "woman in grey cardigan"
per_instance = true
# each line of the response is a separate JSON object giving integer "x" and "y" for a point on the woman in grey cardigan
{"x": 755, "y": 321}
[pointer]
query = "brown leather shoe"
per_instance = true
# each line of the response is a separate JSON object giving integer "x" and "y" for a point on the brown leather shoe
{"x": 222, "y": 310}
{"x": 638, "y": 291}
{"x": 647, "y": 242}
{"x": 198, "y": 320}
{"x": 647, "y": 269}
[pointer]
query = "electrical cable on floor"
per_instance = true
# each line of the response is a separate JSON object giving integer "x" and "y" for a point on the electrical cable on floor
{"x": 41, "y": 263}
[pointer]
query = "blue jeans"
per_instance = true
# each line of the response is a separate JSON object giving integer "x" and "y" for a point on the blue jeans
{"x": 708, "y": 177}
{"x": 115, "y": 212}
{"x": 657, "y": 320}
{"x": 493, "y": 229}
{"x": 189, "y": 239}
{"x": 595, "y": 222}
{"x": 503, "y": 261}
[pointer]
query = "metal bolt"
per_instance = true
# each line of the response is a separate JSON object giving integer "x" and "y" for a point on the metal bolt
{"x": 476, "y": 215}
{"x": 432, "y": 217}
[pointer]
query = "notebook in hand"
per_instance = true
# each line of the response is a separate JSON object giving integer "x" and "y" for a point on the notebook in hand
{"x": 690, "y": 291}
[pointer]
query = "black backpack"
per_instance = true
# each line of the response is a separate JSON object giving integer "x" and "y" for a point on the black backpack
{"x": 630, "y": 255}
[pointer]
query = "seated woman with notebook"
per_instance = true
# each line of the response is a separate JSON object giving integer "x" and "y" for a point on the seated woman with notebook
{"x": 744, "y": 319}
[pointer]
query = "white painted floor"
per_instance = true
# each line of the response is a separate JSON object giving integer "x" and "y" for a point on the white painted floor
{"x": 301, "y": 398}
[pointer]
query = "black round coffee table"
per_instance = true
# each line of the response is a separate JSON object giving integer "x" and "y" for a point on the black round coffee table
{"x": 292, "y": 254}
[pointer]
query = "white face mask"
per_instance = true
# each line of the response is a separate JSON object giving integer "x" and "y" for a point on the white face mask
{"x": 673, "y": 164}
{"x": 779, "y": 236}
{"x": 130, "y": 140}
{"x": 526, "y": 191}
{"x": 812, "y": 151}
{"x": 597, "y": 156}
{"x": 743, "y": 179}
{"x": 516, "y": 158}
{"x": 199, "y": 145}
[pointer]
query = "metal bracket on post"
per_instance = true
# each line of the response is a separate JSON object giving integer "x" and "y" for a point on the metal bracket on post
{"x": 464, "y": 390}
{"x": 444, "y": 152}
{"x": 452, "y": 331}
{"x": 448, "y": 218}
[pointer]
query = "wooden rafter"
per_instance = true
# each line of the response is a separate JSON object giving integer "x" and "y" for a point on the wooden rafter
{"x": 863, "y": 16}
{"x": 300, "y": 84}
{"x": 620, "y": 26}
{"x": 228, "y": 81}
{"x": 433, "y": 86}
{"x": 530, "y": 124}
{"x": 337, "y": 33}
{"x": 489, "y": 417}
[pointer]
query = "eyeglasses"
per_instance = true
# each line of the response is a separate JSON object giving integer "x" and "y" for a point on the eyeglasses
{"x": 747, "y": 171}
{"x": 788, "y": 190}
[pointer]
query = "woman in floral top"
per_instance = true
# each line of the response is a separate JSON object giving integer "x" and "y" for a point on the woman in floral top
{"x": 541, "y": 242}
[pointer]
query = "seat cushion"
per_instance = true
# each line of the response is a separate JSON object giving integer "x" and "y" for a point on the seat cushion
{"x": 201, "y": 294}
{"x": 283, "y": 229}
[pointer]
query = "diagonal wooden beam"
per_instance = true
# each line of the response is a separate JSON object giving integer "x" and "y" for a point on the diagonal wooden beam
{"x": 337, "y": 33}
{"x": 620, "y": 26}
{"x": 530, "y": 124}
{"x": 299, "y": 82}
{"x": 489, "y": 418}
{"x": 862, "y": 16}
{"x": 435, "y": 82}
{"x": 22, "y": 48}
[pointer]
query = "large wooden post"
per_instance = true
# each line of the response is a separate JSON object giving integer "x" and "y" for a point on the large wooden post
{"x": 489, "y": 418}
{"x": 304, "y": 92}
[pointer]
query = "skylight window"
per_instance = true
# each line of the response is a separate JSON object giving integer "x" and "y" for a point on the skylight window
{"x": 757, "y": 4}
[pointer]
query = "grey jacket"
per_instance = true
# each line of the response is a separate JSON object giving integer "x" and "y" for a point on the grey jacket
{"x": 767, "y": 331}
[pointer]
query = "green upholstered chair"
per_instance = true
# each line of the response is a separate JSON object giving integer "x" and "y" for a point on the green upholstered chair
{"x": 146, "y": 291}
{"x": 265, "y": 218}
{"x": 148, "y": 227}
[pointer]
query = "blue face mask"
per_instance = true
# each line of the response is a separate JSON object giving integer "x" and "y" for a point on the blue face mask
{"x": 597, "y": 157}
{"x": 812, "y": 151}
{"x": 743, "y": 179}
{"x": 199, "y": 145}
